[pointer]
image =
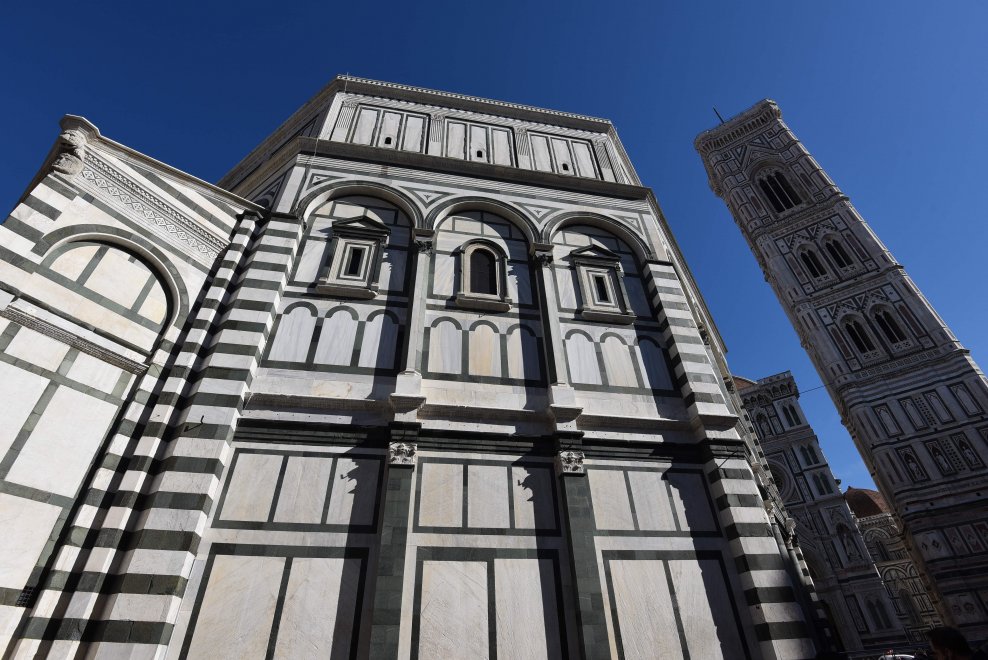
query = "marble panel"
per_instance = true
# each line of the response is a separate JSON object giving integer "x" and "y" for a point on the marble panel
{"x": 453, "y": 619}
{"x": 445, "y": 348}
{"x": 364, "y": 130}
{"x": 336, "y": 339}
{"x": 94, "y": 372}
{"x": 36, "y": 348}
{"x": 118, "y": 278}
{"x": 710, "y": 632}
{"x": 443, "y": 275}
{"x": 26, "y": 527}
{"x": 523, "y": 354}
{"x": 565, "y": 287}
{"x": 485, "y": 351}
{"x": 441, "y": 503}
{"x": 653, "y": 365}
{"x": 303, "y": 490}
{"x": 520, "y": 282}
{"x": 487, "y": 496}
{"x": 689, "y": 497}
{"x": 617, "y": 363}
{"x": 353, "y": 494}
{"x": 320, "y": 605}
{"x": 645, "y": 613}
{"x": 377, "y": 348}
{"x": 652, "y": 506}
{"x": 581, "y": 356}
{"x": 294, "y": 334}
{"x": 237, "y": 608}
{"x": 64, "y": 441}
{"x": 392, "y": 276}
{"x": 525, "y": 606}
{"x": 314, "y": 256}
{"x": 74, "y": 260}
{"x": 19, "y": 391}
{"x": 532, "y": 497}
{"x": 251, "y": 488}
{"x": 611, "y": 506}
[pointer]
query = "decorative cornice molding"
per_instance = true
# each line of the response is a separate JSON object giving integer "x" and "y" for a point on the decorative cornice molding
{"x": 75, "y": 341}
{"x": 151, "y": 209}
{"x": 739, "y": 127}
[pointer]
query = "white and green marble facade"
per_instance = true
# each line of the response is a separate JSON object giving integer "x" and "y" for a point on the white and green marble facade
{"x": 250, "y": 455}
{"x": 911, "y": 396}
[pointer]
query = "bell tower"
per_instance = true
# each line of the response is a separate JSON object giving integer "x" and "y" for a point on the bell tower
{"x": 908, "y": 392}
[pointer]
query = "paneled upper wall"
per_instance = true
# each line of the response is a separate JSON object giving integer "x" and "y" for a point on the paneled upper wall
{"x": 473, "y": 136}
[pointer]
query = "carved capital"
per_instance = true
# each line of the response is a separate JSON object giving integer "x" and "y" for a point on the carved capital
{"x": 543, "y": 258}
{"x": 569, "y": 461}
{"x": 71, "y": 152}
{"x": 402, "y": 453}
{"x": 424, "y": 245}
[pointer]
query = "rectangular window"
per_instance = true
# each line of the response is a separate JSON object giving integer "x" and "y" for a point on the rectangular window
{"x": 600, "y": 288}
{"x": 355, "y": 260}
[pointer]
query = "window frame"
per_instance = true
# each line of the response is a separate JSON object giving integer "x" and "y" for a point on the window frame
{"x": 794, "y": 197}
{"x": 364, "y": 233}
{"x": 595, "y": 264}
{"x": 492, "y": 302}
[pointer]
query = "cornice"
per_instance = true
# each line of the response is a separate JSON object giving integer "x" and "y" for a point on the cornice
{"x": 390, "y": 157}
{"x": 739, "y": 127}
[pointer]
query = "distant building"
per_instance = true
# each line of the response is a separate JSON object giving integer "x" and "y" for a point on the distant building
{"x": 424, "y": 376}
{"x": 914, "y": 401}
{"x": 843, "y": 573}
{"x": 903, "y": 582}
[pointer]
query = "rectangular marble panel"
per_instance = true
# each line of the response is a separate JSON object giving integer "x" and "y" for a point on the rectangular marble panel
{"x": 442, "y": 280}
{"x": 455, "y": 139}
{"x": 652, "y": 506}
{"x": 533, "y": 497}
{"x": 36, "y": 348}
{"x": 389, "y": 129}
{"x": 711, "y": 632}
{"x": 689, "y": 497}
{"x": 26, "y": 527}
{"x": 364, "y": 131}
{"x": 478, "y": 143}
{"x": 501, "y": 147}
{"x": 453, "y": 615}
{"x": 320, "y": 603}
{"x": 645, "y": 614}
{"x": 64, "y": 442}
{"x": 19, "y": 391}
{"x": 565, "y": 288}
{"x": 251, "y": 489}
{"x": 238, "y": 608}
{"x": 313, "y": 258}
{"x": 487, "y": 496}
{"x": 560, "y": 149}
{"x": 353, "y": 494}
{"x": 611, "y": 506}
{"x": 411, "y": 140}
{"x": 525, "y": 602}
{"x": 540, "y": 153}
{"x": 441, "y": 503}
{"x": 303, "y": 490}
{"x": 117, "y": 278}
{"x": 95, "y": 373}
{"x": 584, "y": 159}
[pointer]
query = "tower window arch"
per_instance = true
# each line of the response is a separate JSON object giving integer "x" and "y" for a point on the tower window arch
{"x": 483, "y": 277}
{"x": 792, "y": 417}
{"x": 859, "y": 336}
{"x": 812, "y": 264}
{"x": 835, "y": 249}
{"x": 779, "y": 192}
{"x": 889, "y": 326}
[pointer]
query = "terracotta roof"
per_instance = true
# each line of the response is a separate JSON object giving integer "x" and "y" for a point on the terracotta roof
{"x": 864, "y": 502}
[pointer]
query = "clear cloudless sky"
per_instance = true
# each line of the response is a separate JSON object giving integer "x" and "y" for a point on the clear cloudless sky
{"x": 890, "y": 96}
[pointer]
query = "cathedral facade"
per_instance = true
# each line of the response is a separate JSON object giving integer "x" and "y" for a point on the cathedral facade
{"x": 424, "y": 376}
{"x": 837, "y": 554}
{"x": 909, "y": 393}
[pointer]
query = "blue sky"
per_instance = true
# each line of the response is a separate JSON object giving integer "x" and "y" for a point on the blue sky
{"x": 889, "y": 96}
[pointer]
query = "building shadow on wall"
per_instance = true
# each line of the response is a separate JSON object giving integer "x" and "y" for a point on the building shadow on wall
{"x": 716, "y": 589}
{"x": 535, "y": 476}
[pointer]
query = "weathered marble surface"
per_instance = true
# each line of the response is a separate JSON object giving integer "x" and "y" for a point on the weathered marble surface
{"x": 238, "y": 608}
{"x": 303, "y": 490}
{"x": 453, "y": 618}
{"x": 251, "y": 487}
{"x": 644, "y": 610}
{"x": 26, "y": 526}
{"x": 527, "y": 625}
{"x": 442, "y": 495}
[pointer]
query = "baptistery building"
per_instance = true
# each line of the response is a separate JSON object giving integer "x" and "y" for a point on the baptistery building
{"x": 423, "y": 376}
